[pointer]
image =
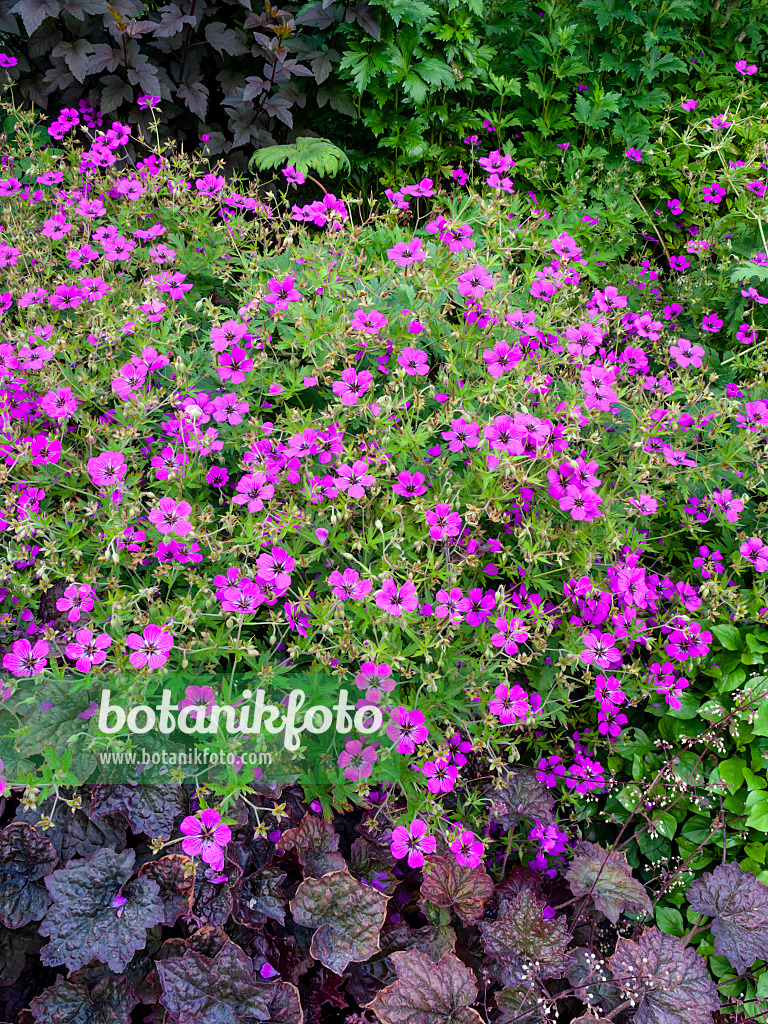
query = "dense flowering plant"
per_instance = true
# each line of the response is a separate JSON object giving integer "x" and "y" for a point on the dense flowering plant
{"x": 491, "y": 463}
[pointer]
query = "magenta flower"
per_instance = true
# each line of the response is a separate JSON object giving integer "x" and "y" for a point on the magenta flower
{"x": 412, "y": 842}
{"x": 77, "y": 598}
{"x": 756, "y": 552}
{"x": 88, "y": 650}
{"x": 370, "y": 323}
{"x": 509, "y": 634}
{"x": 26, "y": 660}
{"x": 171, "y": 517}
{"x": 406, "y": 253}
{"x": 352, "y": 386}
{"x": 510, "y": 704}
{"x": 107, "y": 469}
{"x": 467, "y": 849}
{"x": 276, "y": 567}
{"x": 711, "y": 322}
{"x": 151, "y": 649}
{"x": 59, "y": 404}
{"x": 253, "y": 490}
{"x": 441, "y": 774}
{"x": 292, "y": 176}
{"x": 414, "y": 361}
{"x": 745, "y": 69}
{"x": 348, "y": 584}
{"x": 234, "y": 366}
{"x": 633, "y": 154}
{"x": 475, "y": 283}
{"x": 443, "y": 523}
{"x": 395, "y": 600}
{"x": 356, "y": 761}
{"x": 601, "y": 649}
{"x": 410, "y": 485}
{"x": 201, "y": 697}
{"x": 407, "y": 730}
{"x": 354, "y": 479}
{"x": 206, "y": 836}
{"x": 713, "y": 193}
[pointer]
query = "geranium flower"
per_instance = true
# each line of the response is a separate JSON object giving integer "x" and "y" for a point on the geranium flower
{"x": 412, "y": 842}
{"x": 206, "y": 836}
{"x": 88, "y": 650}
{"x": 24, "y": 659}
{"x": 395, "y": 600}
{"x": 151, "y": 649}
{"x": 356, "y": 760}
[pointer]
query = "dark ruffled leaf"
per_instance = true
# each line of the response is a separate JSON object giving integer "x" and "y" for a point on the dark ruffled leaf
{"x": 25, "y": 858}
{"x": 327, "y": 989}
{"x": 207, "y": 941}
{"x": 607, "y": 878}
{"x": 15, "y": 943}
{"x": 149, "y": 810}
{"x": 175, "y": 878}
{"x": 224, "y": 989}
{"x": 81, "y": 922}
{"x": 521, "y": 796}
{"x": 260, "y": 897}
{"x": 448, "y": 884}
{"x": 519, "y": 1003}
{"x": 369, "y": 864}
{"x": 739, "y": 905}
{"x": 73, "y": 833}
{"x": 366, "y": 979}
{"x": 442, "y": 937}
{"x": 668, "y": 980}
{"x": 522, "y": 935}
{"x": 110, "y": 1002}
{"x": 316, "y": 845}
{"x": 213, "y": 902}
{"x": 347, "y": 915}
{"x": 592, "y": 979}
{"x": 140, "y": 975}
{"x": 428, "y": 993}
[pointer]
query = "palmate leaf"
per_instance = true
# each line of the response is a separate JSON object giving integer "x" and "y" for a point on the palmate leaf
{"x": 224, "y": 989}
{"x": 668, "y": 981}
{"x": 448, "y": 884}
{"x": 316, "y": 845}
{"x": 26, "y": 858}
{"x": 110, "y": 1002}
{"x": 521, "y": 796}
{"x": 739, "y": 905}
{"x": 81, "y": 922}
{"x": 306, "y": 154}
{"x": 522, "y": 934}
{"x": 607, "y": 878}
{"x": 347, "y": 915}
{"x": 427, "y": 993}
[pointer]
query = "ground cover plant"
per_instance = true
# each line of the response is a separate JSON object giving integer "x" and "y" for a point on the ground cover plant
{"x": 490, "y": 461}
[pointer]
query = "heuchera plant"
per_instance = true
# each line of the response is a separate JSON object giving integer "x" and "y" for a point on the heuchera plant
{"x": 492, "y": 463}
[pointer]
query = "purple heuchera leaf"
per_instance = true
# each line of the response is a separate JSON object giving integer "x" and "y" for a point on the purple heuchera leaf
{"x": 347, "y": 915}
{"x": 448, "y": 884}
{"x": 521, "y": 796}
{"x": 198, "y": 989}
{"x": 316, "y": 845}
{"x": 607, "y": 878}
{"x": 523, "y": 935}
{"x": 739, "y": 905}
{"x": 428, "y": 993}
{"x": 668, "y": 981}
{"x": 150, "y": 810}
{"x": 82, "y": 921}
{"x": 25, "y": 858}
{"x": 111, "y": 1000}
{"x": 175, "y": 877}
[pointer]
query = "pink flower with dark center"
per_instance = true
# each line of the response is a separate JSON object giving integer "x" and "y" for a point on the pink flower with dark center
{"x": 151, "y": 649}
{"x": 356, "y": 761}
{"x": 467, "y": 849}
{"x": 59, "y": 404}
{"x": 276, "y": 567}
{"x": 171, "y": 517}
{"x": 441, "y": 774}
{"x": 601, "y": 649}
{"x": 407, "y": 730}
{"x": 88, "y": 650}
{"x": 26, "y": 659}
{"x": 206, "y": 836}
{"x": 201, "y": 697}
{"x": 352, "y": 385}
{"x": 77, "y": 598}
{"x": 412, "y": 842}
{"x": 395, "y": 600}
{"x": 349, "y": 585}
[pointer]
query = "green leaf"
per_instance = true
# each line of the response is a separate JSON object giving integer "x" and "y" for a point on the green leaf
{"x": 728, "y": 636}
{"x": 732, "y": 772}
{"x": 670, "y": 921}
{"x": 306, "y": 154}
{"x": 757, "y": 805}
